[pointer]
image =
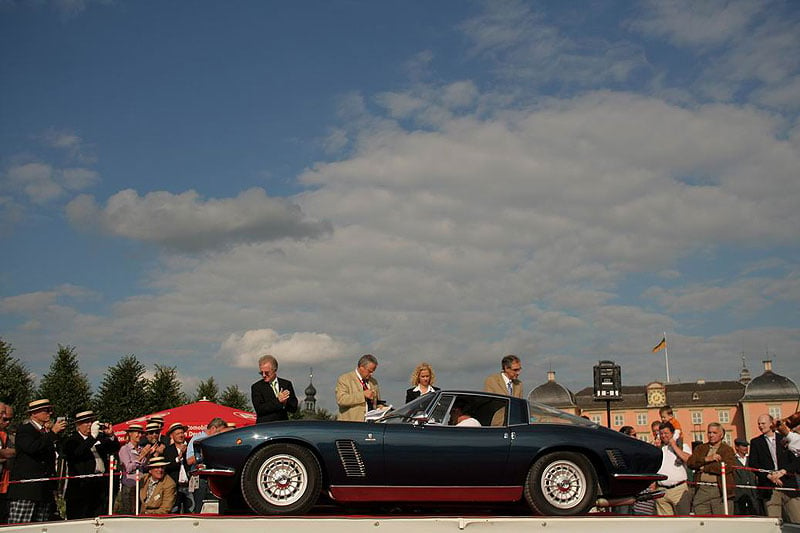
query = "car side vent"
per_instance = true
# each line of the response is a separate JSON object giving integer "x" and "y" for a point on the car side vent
{"x": 351, "y": 458}
{"x": 617, "y": 459}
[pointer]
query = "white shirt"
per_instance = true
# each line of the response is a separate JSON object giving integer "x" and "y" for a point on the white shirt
{"x": 771, "y": 443}
{"x": 672, "y": 466}
{"x": 742, "y": 459}
{"x": 469, "y": 422}
{"x": 99, "y": 466}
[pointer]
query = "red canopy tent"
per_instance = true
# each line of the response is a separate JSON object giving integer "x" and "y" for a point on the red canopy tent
{"x": 195, "y": 416}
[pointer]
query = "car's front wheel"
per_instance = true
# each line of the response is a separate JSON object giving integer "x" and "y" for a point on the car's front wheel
{"x": 281, "y": 479}
{"x": 561, "y": 484}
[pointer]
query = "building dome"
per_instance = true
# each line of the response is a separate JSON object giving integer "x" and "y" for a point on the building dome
{"x": 310, "y": 391}
{"x": 552, "y": 393}
{"x": 770, "y": 386}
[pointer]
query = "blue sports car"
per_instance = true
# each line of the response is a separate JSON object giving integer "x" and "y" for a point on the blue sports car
{"x": 449, "y": 446}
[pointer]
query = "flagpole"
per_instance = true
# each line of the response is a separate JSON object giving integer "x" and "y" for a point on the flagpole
{"x": 666, "y": 355}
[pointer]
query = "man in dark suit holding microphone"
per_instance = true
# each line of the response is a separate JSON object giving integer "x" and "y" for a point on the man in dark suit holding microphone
{"x": 273, "y": 397}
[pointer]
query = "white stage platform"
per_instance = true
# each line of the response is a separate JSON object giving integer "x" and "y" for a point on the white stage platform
{"x": 378, "y": 524}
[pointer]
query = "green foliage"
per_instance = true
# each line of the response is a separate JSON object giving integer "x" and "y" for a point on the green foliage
{"x": 16, "y": 384}
{"x": 319, "y": 414}
{"x": 123, "y": 393}
{"x": 235, "y": 398}
{"x": 207, "y": 390}
{"x": 64, "y": 385}
{"x": 164, "y": 390}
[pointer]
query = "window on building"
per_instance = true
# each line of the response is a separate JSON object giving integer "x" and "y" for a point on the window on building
{"x": 596, "y": 419}
{"x": 727, "y": 438}
{"x": 641, "y": 419}
{"x": 697, "y": 417}
{"x": 724, "y": 417}
{"x": 699, "y": 436}
{"x": 619, "y": 420}
{"x": 643, "y": 437}
{"x": 775, "y": 411}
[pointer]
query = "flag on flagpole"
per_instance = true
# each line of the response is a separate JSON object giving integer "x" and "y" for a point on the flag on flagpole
{"x": 661, "y": 345}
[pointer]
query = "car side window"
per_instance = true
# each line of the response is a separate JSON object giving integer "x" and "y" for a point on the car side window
{"x": 440, "y": 412}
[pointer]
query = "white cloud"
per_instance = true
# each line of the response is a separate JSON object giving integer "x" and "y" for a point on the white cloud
{"x": 524, "y": 45}
{"x": 71, "y": 143}
{"x": 688, "y": 23}
{"x": 36, "y": 180}
{"x": 244, "y": 349}
{"x": 77, "y": 179}
{"x": 42, "y": 183}
{"x": 186, "y": 222}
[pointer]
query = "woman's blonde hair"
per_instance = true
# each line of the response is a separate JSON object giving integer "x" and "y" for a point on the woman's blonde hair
{"x": 420, "y": 368}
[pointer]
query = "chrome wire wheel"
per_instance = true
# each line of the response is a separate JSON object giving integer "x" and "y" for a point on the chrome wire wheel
{"x": 282, "y": 480}
{"x": 563, "y": 484}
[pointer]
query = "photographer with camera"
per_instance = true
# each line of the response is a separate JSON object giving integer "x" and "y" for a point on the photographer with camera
{"x": 35, "y": 459}
{"x": 87, "y": 452}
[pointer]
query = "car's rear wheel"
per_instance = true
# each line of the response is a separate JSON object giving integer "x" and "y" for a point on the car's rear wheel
{"x": 561, "y": 484}
{"x": 281, "y": 479}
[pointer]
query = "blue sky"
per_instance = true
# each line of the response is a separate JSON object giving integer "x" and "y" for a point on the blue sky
{"x": 198, "y": 183}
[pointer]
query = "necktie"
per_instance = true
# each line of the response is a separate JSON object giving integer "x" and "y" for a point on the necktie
{"x": 275, "y": 388}
{"x": 771, "y": 444}
{"x": 370, "y": 405}
{"x": 510, "y": 388}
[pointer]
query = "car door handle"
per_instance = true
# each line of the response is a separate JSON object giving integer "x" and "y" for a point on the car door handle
{"x": 513, "y": 435}
{"x": 370, "y": 438}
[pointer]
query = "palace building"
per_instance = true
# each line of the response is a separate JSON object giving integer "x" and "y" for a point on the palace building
{"x": 734, "y": 404}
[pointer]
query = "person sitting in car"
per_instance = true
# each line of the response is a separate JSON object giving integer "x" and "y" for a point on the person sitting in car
{"x": 460, "y": 415}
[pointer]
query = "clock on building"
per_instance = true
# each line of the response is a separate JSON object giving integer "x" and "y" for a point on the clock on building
{"x": 656, "y": 397}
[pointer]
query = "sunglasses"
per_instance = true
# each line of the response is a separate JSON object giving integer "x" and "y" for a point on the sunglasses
{"x": 153, "y": 432}
{"x": 7, "y": 418}
{"x": 265, "y": 373}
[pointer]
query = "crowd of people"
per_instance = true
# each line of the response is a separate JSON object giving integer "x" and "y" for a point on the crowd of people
{"x": 159, "y": 461}
{"x": 761, "y": 476}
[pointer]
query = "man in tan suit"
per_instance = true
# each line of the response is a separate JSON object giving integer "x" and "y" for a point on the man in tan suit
{"x": 357, "y": 392}
{"x": 507, "y": 381}
{"x": 158, "y": 490}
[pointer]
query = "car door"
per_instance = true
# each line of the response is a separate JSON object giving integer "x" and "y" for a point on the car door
{"x": 439, "y": 455}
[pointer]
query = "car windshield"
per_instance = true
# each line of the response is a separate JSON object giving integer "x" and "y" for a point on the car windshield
{"x": 544, "y": 414}
{"x": 404, "y": 414}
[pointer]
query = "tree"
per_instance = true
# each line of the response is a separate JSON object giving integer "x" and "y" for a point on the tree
{"x": 16, "y": 384}
{"x": 235, "y": 398}
{"x": 164, "y": 390}
{"x": 319, "y": 414}
{"x": 123, "y": 393}
{"x": 207, "y": 390}
{"x": 64, "y": 385}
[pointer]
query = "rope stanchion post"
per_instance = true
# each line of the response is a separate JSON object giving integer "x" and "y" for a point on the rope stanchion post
{"x": 136, "y": 495}
{"x": 112, "y": 463}
{"x": 724, "y": 489}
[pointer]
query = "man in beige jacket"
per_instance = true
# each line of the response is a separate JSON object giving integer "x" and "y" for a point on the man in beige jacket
{"x": 507, "y": 381}
{"x": 357, "y": 392}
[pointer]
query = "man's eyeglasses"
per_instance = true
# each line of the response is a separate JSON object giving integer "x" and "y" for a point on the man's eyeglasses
{"x": 264, "y": 373}
{"x": 154, "y": 432}
{"x": 7, "y": 418}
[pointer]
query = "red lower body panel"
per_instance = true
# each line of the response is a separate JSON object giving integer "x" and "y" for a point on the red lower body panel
{"x": 362, "y": 493}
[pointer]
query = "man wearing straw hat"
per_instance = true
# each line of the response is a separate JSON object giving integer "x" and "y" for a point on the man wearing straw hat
{"x": 157, "y": 492}
{"x": 36, "y": 459}
{"x": 87, "y": 452}
{"x": 130, "y": 463}
{"x": 178, "y": 469}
